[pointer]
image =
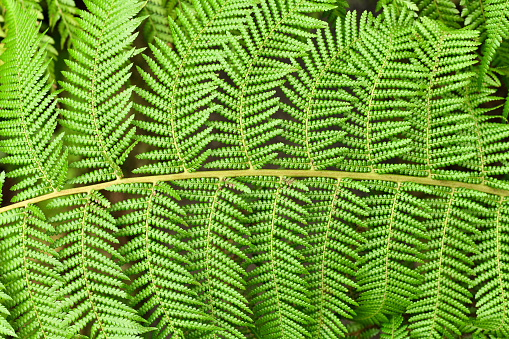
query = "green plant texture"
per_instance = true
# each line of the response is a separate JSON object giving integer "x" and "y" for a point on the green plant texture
{"x": 263, "y": 169}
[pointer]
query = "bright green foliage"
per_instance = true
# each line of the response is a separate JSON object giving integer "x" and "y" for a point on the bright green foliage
{"x": 313, "y": 105}
{"x": 179, "y": 109}
{"x": 491, "y": 271}
{"x": 439, "y": 122}
{"x": 474, "y": 13}
{"x": 28, "y": 271}
{"x": 156, "y": 25}
{"x": 496, "y": 13}
{"x": 5, "y": 327}
{"x": 62, "y": 12}
{"x": 334, "y": 216}
{"x": 441, "y": 308}
{"x": 491, "y": 146}
{"x": 394, "y": 329}
{"x": 97, "y": 113}
{"x": 89, "y": 274}
{"x": 156, "y": 269}
{"x": 375, "y": 125}
{"x": 27, "y": 110}
{"x": 443, "y": 11}
{"x": 216, "y": 236}
{"x": 273, "y": 34}
{"x": 277, "y": 290}
{"x": 386, "y": 278}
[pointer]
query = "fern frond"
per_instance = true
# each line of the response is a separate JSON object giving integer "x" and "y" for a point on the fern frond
{"x": 5, "y": 327}
{"x": 474, "y": 13}
{"x": 376, "y": 126}
{"x": 492, "y": 149}
{"x": 442, "y": 306}
{"x": 27, "y": 109}
{"x": 443, "y": 11}
{"x": 160, "y": 282}
{"x": 394, "y": 329}
{"x": 184, "y": 85}
{"x": 497, "y": 29}
{"x": 278, "y": 293}
{"x": 256, "y": 65}
{"x": 217, "y": 237}
{"x": 440, "y": 124}
{"x": 98, "y": 105}
{"x": 334, "y": 216}
{"x": 28, "y": 271}
{"x": 492, "y": 277}
{"x": 156, "y": 25}
{"x": 313, "y": 105}
{"x": 92, "y": 280}
{"x": 386, "y": 278}
{"x": 63, "y": 13}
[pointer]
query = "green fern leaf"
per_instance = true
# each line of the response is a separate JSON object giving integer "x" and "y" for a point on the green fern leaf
{"x": 92, "y": 280}
{"x": 334, "y": 216}
{"x": 179, "y": 109}
{"x": 255, "y": 66}
{"x": 216, "y": 237}
{"x": 497, "y": 29}
{"x": 98, "y": 106}
{"x": 394, "y": 329}
{"x": 439, "y": 120}
{"x": 157, "y": 269}
{"x": 63, "y": 12}
{"x": 491, "y": 272}
{"x": 277, "y": 291}
{"x": 441, "y": 309}
{"x": 443, "y": 11}
{"x": 386, "y": 278}
{"x": 28, "y": 271}
{"x": 28, "y": 110}
{"x": 156, "y": 26}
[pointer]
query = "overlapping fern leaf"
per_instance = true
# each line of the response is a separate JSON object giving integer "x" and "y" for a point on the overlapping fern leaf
{"x": 91, "y": 278}
{"x": 278, "y": 293}
{"x": 496, "y": 13}
{"x": 156, "y": 25}
{"x": 159, "y": 280}
{"x": 443, "y": 11}
{"x": 184, "y": 86}
{"x": 440, "y": 124}
{"x": 386, "y": 278}
{"x": 5, "y": 327}
{"x": 314, "y": 106}
{"x": 441, "y": 309}
{"x": 27, "y": 109}
{"x": 491, "y": 271}
{"x": 376, "y": 125}
{"x": 217, "y": 237}
{"x": 394, "y": 328}
{"x": 98, "y": 105}
{"x": 256, "y": 64}
{"x": 62, "y": 14}
{"x": 335, "y": 217}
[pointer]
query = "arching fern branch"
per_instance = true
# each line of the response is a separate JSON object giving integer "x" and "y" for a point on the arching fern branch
{"x": 439, "y": 121}
{"x": 313, "y": 105}
{"x": 334, "y": 216}
{"x": 394, "y": 328}
{"x": 27, "y": 269}
{"x": 184, "y": 86}
{"x": 386, "y": 277}
{"x": 217, "y": 237}
{"x": 92, "y": 280}
{"x": 492, "y": 276}
{"x": 97, "y": 106}
{"x": 27, "y": 109}
{"x": 256, "y": 65}
{"x": 62, "y": 14}
{"x": 160, "y": 282}
{"x": 441, "y": 308}
{"x": 278, "y": 293}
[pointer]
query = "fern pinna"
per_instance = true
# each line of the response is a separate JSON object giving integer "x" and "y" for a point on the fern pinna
{"x": 254, "y": 169}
